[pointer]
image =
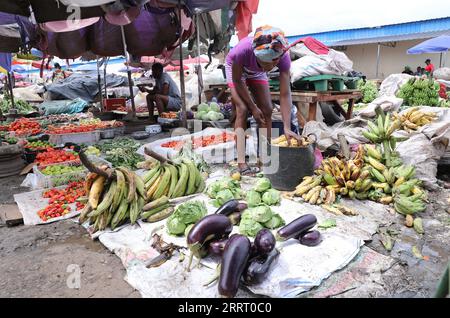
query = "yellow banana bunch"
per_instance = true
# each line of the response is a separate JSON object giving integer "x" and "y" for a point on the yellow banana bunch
{"x": 281, "y": 141}
{"x": 414, "y": 118}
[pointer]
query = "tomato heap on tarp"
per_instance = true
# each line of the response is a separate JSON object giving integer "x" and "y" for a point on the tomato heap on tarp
{"x": 59, "y": 200}
{"x": 203, "y": 141}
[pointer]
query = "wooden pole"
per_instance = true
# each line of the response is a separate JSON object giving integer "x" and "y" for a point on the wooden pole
{"x": 130, "y": 81}
{"x": 182, "y": 87}
{"x": 199, "y": 66}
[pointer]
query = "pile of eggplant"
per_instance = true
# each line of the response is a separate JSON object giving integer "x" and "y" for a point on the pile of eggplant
{"x": 243, "y": 261}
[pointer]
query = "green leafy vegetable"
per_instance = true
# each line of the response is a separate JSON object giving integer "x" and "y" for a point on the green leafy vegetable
{"x": 249, "y": 227}
{"x": 275, "y": 222}
{"x": 271, "y": 197}
{"x": 253, "y": 198}
{"x": 262, "y": 184}
{"x": 262, "y": 213}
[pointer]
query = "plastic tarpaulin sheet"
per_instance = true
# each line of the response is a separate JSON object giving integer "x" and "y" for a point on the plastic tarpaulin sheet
{"x": 64, "y": 106}
{"x": 84, "y": 86}
{"x": 297, "y": 270}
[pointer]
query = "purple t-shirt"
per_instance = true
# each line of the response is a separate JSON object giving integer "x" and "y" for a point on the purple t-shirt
{"x": 242, "y": 54}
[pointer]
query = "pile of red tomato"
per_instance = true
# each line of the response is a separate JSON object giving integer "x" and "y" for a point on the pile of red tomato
{"x": 25, "y": 127}
{"x": 70, "y": 129}
{"x": 59, "y": 200}
{"x": 55, "y": 156}
{"x": 204, "y": 141}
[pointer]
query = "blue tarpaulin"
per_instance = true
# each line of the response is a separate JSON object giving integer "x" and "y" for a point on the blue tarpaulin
{"x": 436, "y": 45}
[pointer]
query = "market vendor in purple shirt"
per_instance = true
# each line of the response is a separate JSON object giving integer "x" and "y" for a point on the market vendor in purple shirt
{"x": 246, "y": 66}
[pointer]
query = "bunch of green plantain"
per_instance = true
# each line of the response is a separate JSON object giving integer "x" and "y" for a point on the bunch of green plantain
{"x": 311, "y": 190}
{"x": 173, "y": 180}
{"x": 113, "y": 201}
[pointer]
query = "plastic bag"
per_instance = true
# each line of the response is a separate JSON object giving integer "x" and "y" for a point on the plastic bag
{"x": 387, "y": 104}
{"x": 392, "y": 84}
{"x": 442, "y": 73}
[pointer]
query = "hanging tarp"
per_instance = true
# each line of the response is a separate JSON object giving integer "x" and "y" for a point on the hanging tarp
{"x": 19, "y": 7}
{"x": 15, "y": 32}
{"x": 194, "y": 6}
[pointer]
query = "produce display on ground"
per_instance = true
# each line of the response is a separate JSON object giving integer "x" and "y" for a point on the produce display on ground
{"x": 375, "y": 172}
{"x": 99, "y": 124}
{"x": 39, "y": 145}
{"x": 420, "y": 92}
{"x": 169, "y": 115}
{"x": 59, "y": 200}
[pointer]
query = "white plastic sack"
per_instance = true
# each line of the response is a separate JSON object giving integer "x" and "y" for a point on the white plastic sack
{"x": 387, "y": 104}
{"x": 140, "y": 99}
{"x": 28, "y": 94}
{"x": 442, "y": 73}
{"x": 300, "y": 50}
{"x": 392, "y": 84}
{"x": 309, "y": 66}
{"x": 339, "y": 62}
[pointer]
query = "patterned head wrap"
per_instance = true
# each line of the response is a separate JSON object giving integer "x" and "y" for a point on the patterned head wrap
{"x": 269, "y": 43}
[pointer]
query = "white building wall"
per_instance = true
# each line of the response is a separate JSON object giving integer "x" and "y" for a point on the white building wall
{"x": 392, "y": 59}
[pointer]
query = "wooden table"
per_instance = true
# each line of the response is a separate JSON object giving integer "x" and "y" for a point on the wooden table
{"x": 313, "y": 97}
{"x": 223, "y": 88}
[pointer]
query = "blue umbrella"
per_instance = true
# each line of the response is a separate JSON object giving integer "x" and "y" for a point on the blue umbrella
{"x": 436, "y": 45}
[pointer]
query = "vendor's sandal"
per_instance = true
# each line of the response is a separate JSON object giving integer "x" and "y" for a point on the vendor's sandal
{"x": 248, "y": 171}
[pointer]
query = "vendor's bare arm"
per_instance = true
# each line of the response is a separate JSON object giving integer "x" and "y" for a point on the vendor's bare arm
{"x": 285, "y": 101}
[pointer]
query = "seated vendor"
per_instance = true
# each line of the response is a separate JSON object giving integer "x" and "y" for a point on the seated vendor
{"x": 165, "y": 95}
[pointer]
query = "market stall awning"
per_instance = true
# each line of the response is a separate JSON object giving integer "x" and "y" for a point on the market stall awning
{"x": 437, "y": 45}
{"x": 392, "y": 38}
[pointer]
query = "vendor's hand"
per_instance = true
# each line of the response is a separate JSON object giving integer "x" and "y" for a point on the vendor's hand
{"x": 290, "y": 134}
{"x": 259, "y": 116}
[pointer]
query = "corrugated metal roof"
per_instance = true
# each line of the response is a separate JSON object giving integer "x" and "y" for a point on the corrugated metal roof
{"x": 385, "y": 33}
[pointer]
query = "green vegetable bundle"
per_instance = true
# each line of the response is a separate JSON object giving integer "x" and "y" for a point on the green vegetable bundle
{"x": 262, "y": 193}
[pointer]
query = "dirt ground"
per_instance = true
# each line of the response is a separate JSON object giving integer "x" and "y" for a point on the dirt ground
{"x": 39, "y": 261}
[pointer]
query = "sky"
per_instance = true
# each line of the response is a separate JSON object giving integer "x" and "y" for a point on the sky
{"x": 296, "y": 17}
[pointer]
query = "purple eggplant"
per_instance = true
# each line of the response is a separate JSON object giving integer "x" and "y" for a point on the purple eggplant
{"x": 242, "y": 206}
{"x": 228, "y": 207}
{"x": 297, "y": 227}
{"x": 264, "y": 242}
{"x": 258, "y": 267}
{"x": 234, "y": 261}
{"x": 217, "y": 247}
{"x": 211, "y": 227}
{"x": 310, "y": 238}
{"x": 235, "y": 218}
{"x": 214, "y": 226}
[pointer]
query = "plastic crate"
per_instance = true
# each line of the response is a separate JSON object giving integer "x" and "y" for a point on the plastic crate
{"x": 114, "y": 103}
{"x": 50, "y": 181}
{"x": 90, "y": 137}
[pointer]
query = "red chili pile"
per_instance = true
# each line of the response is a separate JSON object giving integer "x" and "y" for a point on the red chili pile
{"x": 204, "y": 141}
{"x": 55, "y": 156}
{"x": 59, "y": 200}
{"x": 25, "y": 127}
{"x": 69, "y": 129}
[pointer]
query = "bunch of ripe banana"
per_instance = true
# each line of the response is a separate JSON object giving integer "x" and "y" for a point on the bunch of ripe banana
{"x": 282, "y": 142}
{"x": 173, "y": 180}
{"x": 114, "y": 201}
{"x": 414, "y": 118}
{"x": 311, "y": 190}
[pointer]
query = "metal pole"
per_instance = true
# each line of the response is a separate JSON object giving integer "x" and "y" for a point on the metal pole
{"x": 130, "y": 81}
{"x": 199, "y": 67}
{"x": 99, "y": 82}
{"x": 440, "y": 59}
{"x": 104, "y": 76}
{"x": 10, "y": 84}
{"x": 183, "y": 90}
{"x": 378, "y": 60}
